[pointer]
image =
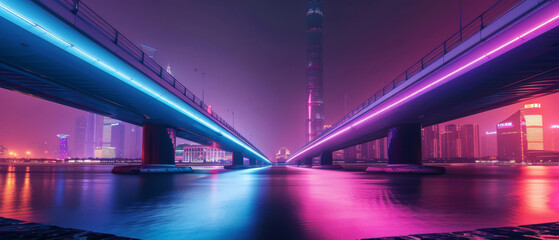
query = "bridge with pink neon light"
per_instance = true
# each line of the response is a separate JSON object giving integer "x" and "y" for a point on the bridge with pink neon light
{"x": 506, "y": 55}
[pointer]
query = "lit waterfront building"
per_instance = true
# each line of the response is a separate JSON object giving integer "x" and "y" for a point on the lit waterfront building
{"x": 555, "y": 138}
{"x": 78, "y": 150}
{"x": 93, "y": 134}
{"x": 315, "y": 104}
{"x": 512, "y": 143}
{"x": 203, "y": 154}
{"x": 534, "y": 125}
{"x": 105, "y": 152}
{"x": 430, "y": 143}
{"x": 283, "y": 155}
{"x": 489, "y": 144}
{"x": 450, "y": 142}
{"x": 63, "y": 149}
{"x": 117, "y": 139}
{"x": 469, "y": 141}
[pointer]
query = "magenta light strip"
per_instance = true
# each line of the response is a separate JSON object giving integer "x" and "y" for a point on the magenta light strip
{"x": 424, "y": 88}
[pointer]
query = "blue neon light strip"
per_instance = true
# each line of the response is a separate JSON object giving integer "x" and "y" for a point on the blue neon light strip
{"x": 97, "y": 62}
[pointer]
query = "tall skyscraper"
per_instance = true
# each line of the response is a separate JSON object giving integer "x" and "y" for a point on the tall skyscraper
{"x": 315, "y": 103}
{"x": 78, "y": 150}
{"x": 488, "y": 144}
{"x": 450, "y": 142}
{"x": 63, "y": 150}
{"x": 431, "y": 142}
{"x": 512, "y": 138}
{"x": 534, "y": 125}
{"x": 93, "y": 134}
{"x": 133, "y": 141}
{"x": 117, "y": 139}
{"x": 469, "y": 141}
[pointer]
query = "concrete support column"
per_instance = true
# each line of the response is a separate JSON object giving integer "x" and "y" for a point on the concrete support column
{"x": 307, "y": 161}
{"x": 252, "y": 161}
{"x": 326, "y": 158}
{"x": 237, "y": 159}
{"x": 404, "y": 144}
{"x": 158, "y": 145}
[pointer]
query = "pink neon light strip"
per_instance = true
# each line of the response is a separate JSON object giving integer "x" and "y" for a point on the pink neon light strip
{"x": 425, "y": 88}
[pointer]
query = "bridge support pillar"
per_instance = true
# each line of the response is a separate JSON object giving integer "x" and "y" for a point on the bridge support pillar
{"x": 326, "y": 158}
{"x": 158, "y": 152}
{"x": 404, "y": 144}
{"x": 404, "y": 152}
{"x": 307, "y": 162}
{"x": 252, "y": 161}
{"x": 237, "y": 159}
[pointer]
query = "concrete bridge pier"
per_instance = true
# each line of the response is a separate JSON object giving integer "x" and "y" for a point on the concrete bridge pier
{"x": 252, "y": 162}
{"x": 404, "y": 152}
{"x": 307, "y": 162}
{"x": 326, "y": 161}
{"x": 158, "y": 152}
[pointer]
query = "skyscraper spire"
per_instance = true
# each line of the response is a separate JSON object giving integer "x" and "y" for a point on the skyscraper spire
{"x": 315, "y": 104}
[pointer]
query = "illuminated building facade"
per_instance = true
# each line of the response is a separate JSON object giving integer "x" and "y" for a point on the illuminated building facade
{"x": 63, "y": 149}
{"x": 450, "y": 142}
{"x": 512, "y": 141}
{"x": 488, "y": 146}
{"x": 203, "y": 154}
{"x": 469, "y": 141}
{"x": 430, "y": 145}
{"x": 534, "y": 125}
{"x": 78, "y": 150}
{"x": 315, "y": 104}
{"x": 555, "y": 138}
{"x": 283, "y": 155}
{"x": 117, "y": 139}
{"x": 93, "y": 134}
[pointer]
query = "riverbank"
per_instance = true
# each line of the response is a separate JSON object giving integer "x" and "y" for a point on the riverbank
{"x": 16, "y": 229}
{"x": 534, "y": 231}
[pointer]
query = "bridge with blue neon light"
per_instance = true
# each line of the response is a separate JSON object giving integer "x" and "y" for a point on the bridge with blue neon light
{"x": 61, "y": 51}
{"x": 506, "y": 55}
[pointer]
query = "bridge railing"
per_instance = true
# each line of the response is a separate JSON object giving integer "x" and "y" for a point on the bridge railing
{"x": 487, "y": 17}
{"x": 82, "y": 11}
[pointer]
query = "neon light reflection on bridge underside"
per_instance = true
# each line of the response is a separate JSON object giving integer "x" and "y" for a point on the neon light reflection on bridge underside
{"x": 488, "y": 54}
{"x": 98, "y": 63}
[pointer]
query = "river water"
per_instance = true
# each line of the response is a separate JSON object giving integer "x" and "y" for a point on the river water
{"x": 278, "y": 202}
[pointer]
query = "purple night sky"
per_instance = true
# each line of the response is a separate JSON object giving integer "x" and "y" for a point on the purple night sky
{"x": 250, "y": 60}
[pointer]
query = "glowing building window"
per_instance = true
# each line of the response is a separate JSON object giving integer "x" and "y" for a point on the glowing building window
{"x": 554, "y": 126}
{"x": 533, "y": 120}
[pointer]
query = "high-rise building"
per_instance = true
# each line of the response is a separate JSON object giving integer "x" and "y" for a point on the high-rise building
{"x": 133, "y": 141}
{"x": 534, "y": 125}
{"x": 512, "y": 141}
{"x": 469, "y": 141}
{"x": 450, "y": 142}
{"x": 488, "y": 144}
{"x": 79, "y": 138}
{"x": 117, "y": 139}
{"x": 63, "y": 149}
{"x": 555, "y": 138}
{"x": 93, "y": 134}
{"x": 315, "y": 104}
{"x": 430, "y": 143}
{"x": 3, "y": 151}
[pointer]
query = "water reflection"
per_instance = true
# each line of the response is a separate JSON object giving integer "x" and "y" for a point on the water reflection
{"x": 279, "y": 203}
